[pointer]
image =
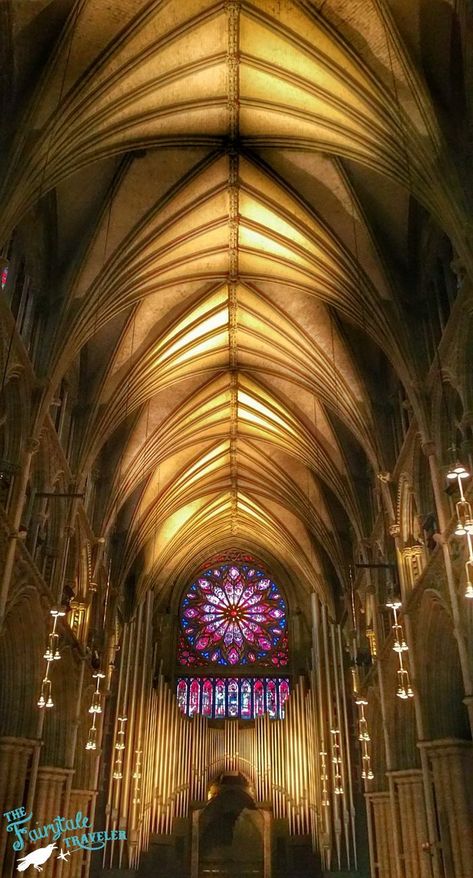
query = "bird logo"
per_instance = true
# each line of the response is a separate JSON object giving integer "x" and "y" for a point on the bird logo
{"x": 36, "y": 858}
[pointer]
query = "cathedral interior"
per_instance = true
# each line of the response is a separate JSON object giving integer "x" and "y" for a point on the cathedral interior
{"x": 236, "y": 438}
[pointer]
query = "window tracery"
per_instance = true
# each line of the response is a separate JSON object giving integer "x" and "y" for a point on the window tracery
{"x": 233, "y": 616}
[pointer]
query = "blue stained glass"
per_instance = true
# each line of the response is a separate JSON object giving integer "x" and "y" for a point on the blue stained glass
{"x": 232, "y": 698}
{"x": 229, "y": 619}
{"x": 220, "y": 707}
{"x": 245, "y": 700}
{"x": 232, "y": 689}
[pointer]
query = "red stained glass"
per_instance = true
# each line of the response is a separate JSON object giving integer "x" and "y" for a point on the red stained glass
{"x": 182, "y": 695}
{"x": 245, "y": 707}
{"x": 233, "y": 614}
{"x": 207, "y": 698}
{"x": 271, "y": 705}
{"x": 258, "y": 699}
{"x": 220, "y": 706}
{"x": 233, "y": 698}
{"x": 283, "y": 696}
{"x": 194, "y": 697}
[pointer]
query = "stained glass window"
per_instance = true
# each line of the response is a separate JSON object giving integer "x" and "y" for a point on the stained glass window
{"x": 258, "y": 698}
{"x": 220, "y": 705}
{"x": 271, "y": 705}
{"x": 194, "y": 697}
{"x": 182, "y": 695}
{"x": 207, "y": 698}
{"x": 245, "y": 699}
{"x": 232, "y": 698}
{"x": 233, "y": 614}
{"x": 3, "y": 276}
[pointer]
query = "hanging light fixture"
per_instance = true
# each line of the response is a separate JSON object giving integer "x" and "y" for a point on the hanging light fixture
{"x": 45, "y": 699}
{"x": 51, "y": 655}
{"x": 464, "y": 526}
{"x": 363, "y": 734}
{"x": 400, "y": 644}
{"x": 337, "y": 761}
{"x": 457, "y": 471}
{"x": 92, "y": 738}
{"x": 367, "y": 772}
{"x": 119, "y": 746}
{"x": 137, "y": 777}
{"x": 324, "y": 778}
{"x": 404, "y": 688}
{"x": 464, "y": 523}
{"x": 117, "y": 769}
{"x": 120, "y": 742}
{"x": 96, "y": 706}
{"x": 469, "y": 569}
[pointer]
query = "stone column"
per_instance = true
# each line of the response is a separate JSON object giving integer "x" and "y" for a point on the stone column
{"x": 266, "y": 813}
{"x": 196, "y": 813}
{"x": 413, "y": 820}
{"x": 49, "y": 802}
{"x": 15, "y": 520}
{"x": 452, "y": 769}
{"x": 15, "y": 758}
{"x": 383, "y": 842}
{"x": 79, "y": 800}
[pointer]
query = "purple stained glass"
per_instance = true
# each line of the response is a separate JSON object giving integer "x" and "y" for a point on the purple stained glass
{"x": 283, "y": 696}
{"x": 182, "y": 695}
{"x": 258, "y": 699}
{"x": 207, "y": 698}
{"x": 232, "y": 698}
{"x": 194, "y": 697}
{"x": 245, "y": 699}
{"x": 220, "y": 706}
{"x": 271, "y": 698}
{"x": 233, "y": 614}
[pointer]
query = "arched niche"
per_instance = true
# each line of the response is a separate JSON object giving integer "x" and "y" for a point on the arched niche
{"x": 59, "y": 720}
{"x": 232, "y": 832}
{"x": 439, "y": 674}
{"x": 21, "y": 663}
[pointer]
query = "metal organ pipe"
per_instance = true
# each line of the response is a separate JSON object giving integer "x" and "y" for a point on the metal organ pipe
{"x": 129, "y": 808}
{"x": 348, "y": 750}
{"x": 322, "y": 713}
{"x": 121, "y": 814}
{"x": 138, "y": 796}
{"x": 342, "y": 742}
{"x": 108, "y": 807}
{"x": 161, "y": 708}
{"x": 281, "y": 758}
{"x": 333, "y": 750}
{"x": 312, "y": 749}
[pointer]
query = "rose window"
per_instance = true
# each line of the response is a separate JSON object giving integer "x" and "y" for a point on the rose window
{"x": 233, "y": 615}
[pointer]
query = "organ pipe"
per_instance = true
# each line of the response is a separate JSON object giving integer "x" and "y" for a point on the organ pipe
{"x": 333, "y": 738}
{"x": 337, "y": 671}
{"x": 284, "y": 760}
{"x": 348, "y": 751}
{"x": 324, "y": 802}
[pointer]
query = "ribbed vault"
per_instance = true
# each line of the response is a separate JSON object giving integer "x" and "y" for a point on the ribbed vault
{"x": 204, "y": 162}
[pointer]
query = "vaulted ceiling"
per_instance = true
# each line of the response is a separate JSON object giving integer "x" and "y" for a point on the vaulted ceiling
{"x": 228, "y": 190}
